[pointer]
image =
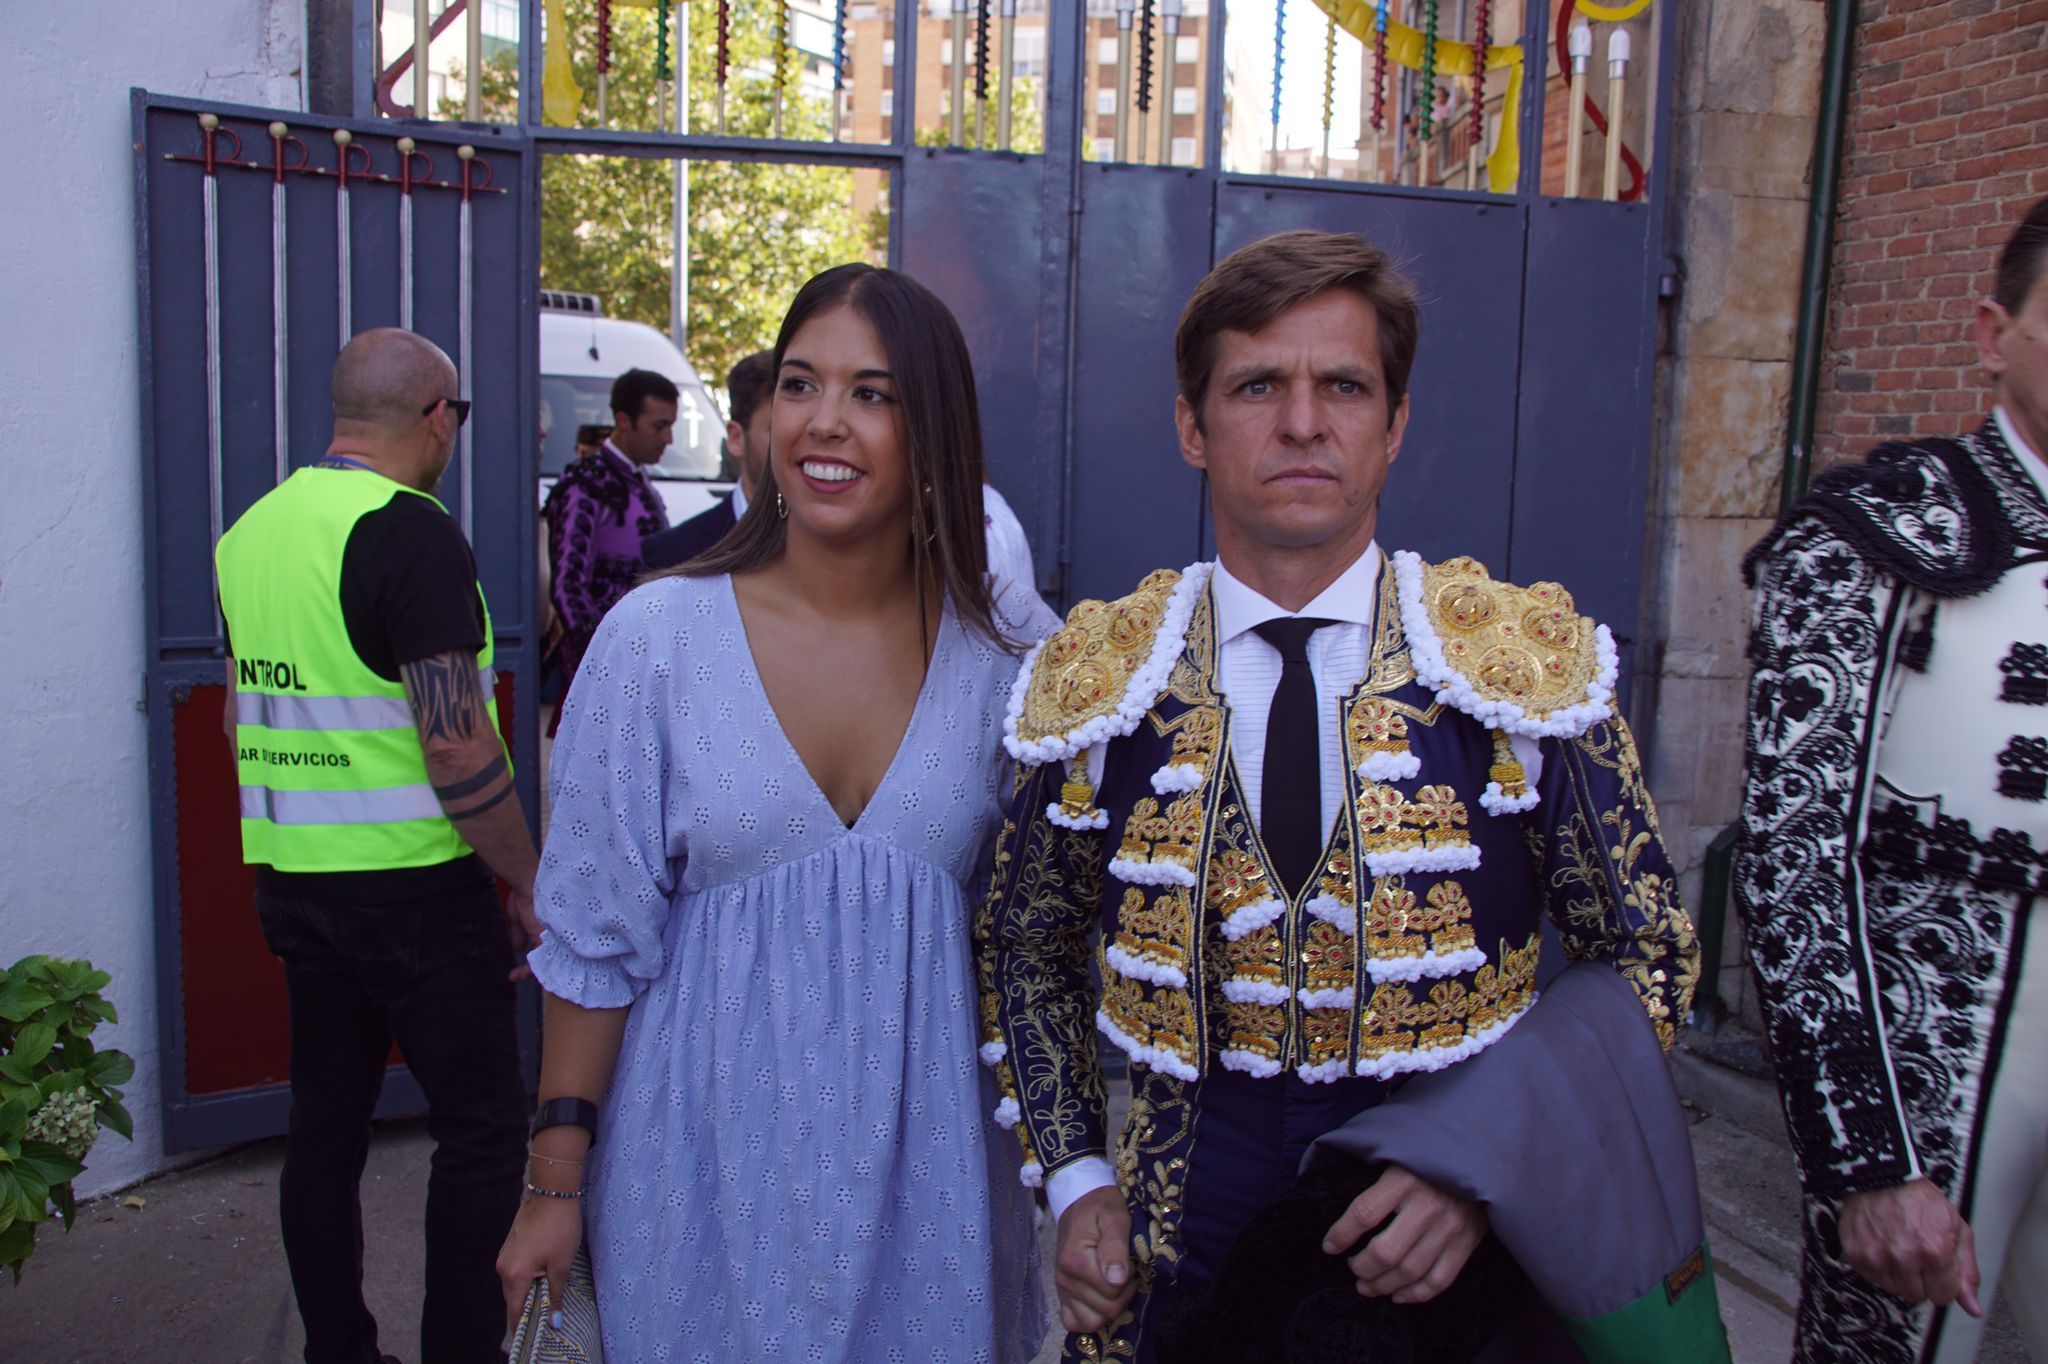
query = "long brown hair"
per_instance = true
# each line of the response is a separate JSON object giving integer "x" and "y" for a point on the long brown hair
{"x": 942, "y": 432}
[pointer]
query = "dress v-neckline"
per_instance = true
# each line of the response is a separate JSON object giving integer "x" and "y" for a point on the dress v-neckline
{"x": 910, "y": 727}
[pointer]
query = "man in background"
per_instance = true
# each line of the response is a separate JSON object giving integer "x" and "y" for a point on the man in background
{"x": 750, "y": 396}
{"x": 1895, "y": 822}
{"x": 603, "y": 506}
{"x": 377, "y": 803}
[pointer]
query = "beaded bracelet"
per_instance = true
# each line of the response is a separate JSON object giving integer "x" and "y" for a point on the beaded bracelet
{"x": 534, "y": 1188}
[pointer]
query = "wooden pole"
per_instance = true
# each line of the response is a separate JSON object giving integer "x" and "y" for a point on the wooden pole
{"x": 1575, "y": 122}
{"x": 1617, "y": 102}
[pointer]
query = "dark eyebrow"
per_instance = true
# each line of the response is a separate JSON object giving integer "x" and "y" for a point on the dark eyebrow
{"x": 1250, "y": 374}
{"x": 792, "y": 362}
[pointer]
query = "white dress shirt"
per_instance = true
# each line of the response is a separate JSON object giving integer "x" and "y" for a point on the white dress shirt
{"x": 2015, "y": 442}
{"x": 1248, "y": 671}
{"x": 739, "y": 500}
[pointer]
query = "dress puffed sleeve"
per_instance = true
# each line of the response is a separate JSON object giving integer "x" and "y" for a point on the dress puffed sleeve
{"x": 610, "y": 865}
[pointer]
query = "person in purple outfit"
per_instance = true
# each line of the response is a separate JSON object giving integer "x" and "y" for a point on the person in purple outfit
{"x": 602, "y": 507}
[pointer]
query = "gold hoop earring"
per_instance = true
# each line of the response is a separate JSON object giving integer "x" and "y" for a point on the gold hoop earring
{"x": 781, "y": 505}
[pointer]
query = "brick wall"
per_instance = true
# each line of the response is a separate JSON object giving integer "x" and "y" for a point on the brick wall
{"x": 1947, "y": 145}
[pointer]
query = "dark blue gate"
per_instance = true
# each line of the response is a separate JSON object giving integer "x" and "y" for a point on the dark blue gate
{"x": 1528, "y": 447}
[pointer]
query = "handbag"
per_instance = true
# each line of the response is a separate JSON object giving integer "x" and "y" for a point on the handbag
{"x": 573, "y": 1339}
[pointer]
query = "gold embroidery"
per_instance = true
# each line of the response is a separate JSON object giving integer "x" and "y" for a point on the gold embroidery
{"x": 1442, "y": 815}
{"x": 1396, "y": 1020}
{"x": 1527, "y": 645}
{"x": 1156, "y": 928}
{"x": 1390, "y": 927}
{"x": 1163, "y": 1018}
{"x": 1143, "y": 826}
{"x": 1383, "y": 821}
{"x": 1375, "y": 725}
{"x": 1236, "y": 879}
{"x": 1083, "y": 671}
{"x": 1326, "y": 1035}
{"x": 1448, "y": 921}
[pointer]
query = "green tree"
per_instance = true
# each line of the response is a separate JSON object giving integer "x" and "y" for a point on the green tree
{"x": 757, "y": 230}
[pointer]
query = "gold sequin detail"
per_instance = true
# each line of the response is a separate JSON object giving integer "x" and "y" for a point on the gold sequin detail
{"x": 1527, "y": 645}
{"x": 1084, "y": 671}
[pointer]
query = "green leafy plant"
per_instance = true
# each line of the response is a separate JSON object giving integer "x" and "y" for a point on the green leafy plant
{"x": 56, "y": 1092}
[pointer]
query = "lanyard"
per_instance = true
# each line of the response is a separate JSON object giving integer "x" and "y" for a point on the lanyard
{"x": 341, "y": 462}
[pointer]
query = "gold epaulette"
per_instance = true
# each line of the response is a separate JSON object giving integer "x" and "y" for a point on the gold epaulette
{"x": 1518, "y": 659}
{"x": 1095, "y": 679}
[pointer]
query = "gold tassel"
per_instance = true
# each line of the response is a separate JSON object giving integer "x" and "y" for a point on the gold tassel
{"x": 1507, "y": 768}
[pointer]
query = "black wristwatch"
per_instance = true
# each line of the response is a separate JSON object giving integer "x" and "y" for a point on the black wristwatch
{"x": 566, "y": 1113}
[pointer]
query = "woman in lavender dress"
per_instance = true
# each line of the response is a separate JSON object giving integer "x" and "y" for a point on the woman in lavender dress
{"x": 775, "y": 793}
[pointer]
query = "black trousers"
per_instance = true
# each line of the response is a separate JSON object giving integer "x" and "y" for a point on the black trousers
{"x": 430, "y": 974}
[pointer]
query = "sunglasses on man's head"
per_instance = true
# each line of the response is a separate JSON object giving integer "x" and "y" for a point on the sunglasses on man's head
{"x": 459, "y": 406}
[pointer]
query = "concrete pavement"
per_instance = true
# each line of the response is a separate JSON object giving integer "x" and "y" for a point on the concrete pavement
{"x": 197, "y": 1272}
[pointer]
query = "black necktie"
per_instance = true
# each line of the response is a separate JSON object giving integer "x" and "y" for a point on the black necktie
{"x": 1291, "y": 793}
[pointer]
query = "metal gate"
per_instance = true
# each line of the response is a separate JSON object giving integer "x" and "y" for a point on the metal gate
{"x": 1528, "y": 445}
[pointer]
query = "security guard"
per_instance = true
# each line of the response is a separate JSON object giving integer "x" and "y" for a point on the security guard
{"x": 377, "y": 803}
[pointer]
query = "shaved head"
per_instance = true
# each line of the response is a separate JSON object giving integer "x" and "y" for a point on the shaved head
{"x": 384, "y": 377}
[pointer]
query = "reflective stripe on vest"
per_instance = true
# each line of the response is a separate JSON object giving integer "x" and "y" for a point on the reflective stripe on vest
{"x": 273, "y": 710}
{"x": 383, "y": 805}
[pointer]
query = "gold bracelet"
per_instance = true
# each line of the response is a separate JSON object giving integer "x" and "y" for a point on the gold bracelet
{"x": 552, "y": 1160}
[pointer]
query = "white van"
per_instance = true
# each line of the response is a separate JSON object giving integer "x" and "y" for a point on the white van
{"x": 581, "y": 352}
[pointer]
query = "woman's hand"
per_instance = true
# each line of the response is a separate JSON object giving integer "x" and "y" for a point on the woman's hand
{"x": 543, "y": 1241}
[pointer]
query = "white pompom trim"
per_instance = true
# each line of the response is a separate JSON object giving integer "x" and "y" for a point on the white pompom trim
{"x": 1337, "y": 998}
{"x": 1164, "y": 1061}
{"x": 1175, "y": 778}
{"x": 1383, "y": 766}
{"x": 1434, "y": 670}
{"x": 1245, "y": 990}
{"x": 1437, "y": 1058}
{"x": 1251, "y": 918}
{"x": 1031, "y": 1174}
{"x": 1334, "y": 912}
{"x": 1324, "y": 1072}
{"x": 1148, "y": 680}
{"x": 1497, "y": 802}
{"x": 1142, "y": 968}
{"x": 1464, "y": 857}
{"x": 992, "y": 1053}
{"x": 1151, "y": 873}
{"x": 1250, "y": 1063}
{"x": 1429, "y": 965}
{"x": 1008, "y": 1114}
{"x": 1098, "y": 819}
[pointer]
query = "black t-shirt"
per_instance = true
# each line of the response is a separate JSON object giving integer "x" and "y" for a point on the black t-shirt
{"x": 408, "y": 592}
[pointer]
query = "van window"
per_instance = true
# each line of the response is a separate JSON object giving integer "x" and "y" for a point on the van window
{"x": 698, "y": 453}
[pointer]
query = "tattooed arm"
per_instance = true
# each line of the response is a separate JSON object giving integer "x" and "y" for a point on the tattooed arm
{"x": 466, "y": 762}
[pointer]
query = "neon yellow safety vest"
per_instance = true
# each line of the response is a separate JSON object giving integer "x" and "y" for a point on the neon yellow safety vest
{"x": 332, "y": 774}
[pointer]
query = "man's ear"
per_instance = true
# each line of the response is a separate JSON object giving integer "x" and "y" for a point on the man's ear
{"x": 1397, "y": 429}
{"x": 1193, "y": 447}
{"x": 1992, "y": 321}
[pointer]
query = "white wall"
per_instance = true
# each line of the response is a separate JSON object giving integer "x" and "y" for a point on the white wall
{"x": 74, "y": 814}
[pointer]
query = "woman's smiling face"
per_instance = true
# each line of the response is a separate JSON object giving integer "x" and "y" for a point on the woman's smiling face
{"x": 839, "y": 452}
